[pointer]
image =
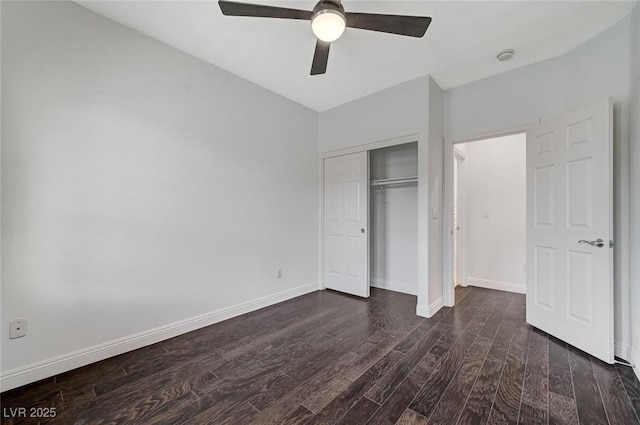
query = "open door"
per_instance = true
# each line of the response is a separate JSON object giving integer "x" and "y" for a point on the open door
{"x": 569, "y": 228}
{"x": 346, "y": 217}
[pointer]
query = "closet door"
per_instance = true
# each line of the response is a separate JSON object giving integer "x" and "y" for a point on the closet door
{"x": 346, "y": 216}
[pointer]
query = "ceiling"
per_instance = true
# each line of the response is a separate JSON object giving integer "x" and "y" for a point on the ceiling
{"x": 460, "y": 45}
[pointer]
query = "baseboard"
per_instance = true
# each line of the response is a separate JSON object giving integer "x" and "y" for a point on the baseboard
{"x": 56, "y": 365}
{"x": 634, "y": 359}
{"x": 393, "y": 286}
{"x": 621, "y": 350}
{"x": 494, "y": 284}
{"x": 427, "y": 311}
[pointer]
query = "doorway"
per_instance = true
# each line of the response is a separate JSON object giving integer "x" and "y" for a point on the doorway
{"x": 488, "y": 214}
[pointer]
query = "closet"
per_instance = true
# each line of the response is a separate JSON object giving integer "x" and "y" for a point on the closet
{"x": 393, "y": 218}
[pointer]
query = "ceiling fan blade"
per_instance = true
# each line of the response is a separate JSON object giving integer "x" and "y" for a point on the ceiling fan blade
{"x": 413, "y": 26}
{"x": 320, "y": 58}
{"x": 232, "y": 8}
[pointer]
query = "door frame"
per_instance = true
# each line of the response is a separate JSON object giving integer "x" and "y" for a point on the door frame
{"x": 448, "y": 284}
{"x": 422, "y": 171}
{"x": 460, "y": 254}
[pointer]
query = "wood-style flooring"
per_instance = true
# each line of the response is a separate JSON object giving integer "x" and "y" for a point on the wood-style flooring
{"x": 327, "y": 358}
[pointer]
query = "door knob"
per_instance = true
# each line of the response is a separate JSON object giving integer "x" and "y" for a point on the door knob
{"x": 362, "y": 230}
{"x": 598, "y": 242}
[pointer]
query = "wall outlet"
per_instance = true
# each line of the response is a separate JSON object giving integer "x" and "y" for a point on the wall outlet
{"x": 278, "y": 273}
{"x": 17, "y": 328}
{"x": 524, "y": 268}
{"x": 485, "y": 213}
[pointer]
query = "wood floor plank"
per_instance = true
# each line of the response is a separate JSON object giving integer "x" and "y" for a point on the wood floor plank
{"x": 454, "y": 397}
{"x": 478, "y": 405}
{"x": 354, "y": 392}
{"x": 388, "y": 383}
{"x": 502, "y": 340}
{"x": 532, "y": 415}
{"x": 562, "y": 410}
{"x": 409, "y": 417}
{"x": 297, "y": 416}
{"x": 560, "y": 381}
{"x": 428, "y": 397}
{"x": 360, "y": 413}
{"x": 614, "y": 395}
{"x": 588, "y": 398}
{"x": 536, "y": 379}
{"x": 317, "y": 383}
{"x": 631, "y": 384}
{"x": 506, "y": 406}
{"x": 140, "y": 399}
{"x": 318, "y": 400}
{"x": 395, "y": 405}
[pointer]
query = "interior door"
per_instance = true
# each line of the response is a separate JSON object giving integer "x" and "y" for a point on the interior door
{"x": 569, "y": 228}
{"x": 346, "y": 216}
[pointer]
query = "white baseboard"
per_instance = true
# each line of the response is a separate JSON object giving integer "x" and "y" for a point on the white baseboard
{"x": 427, "y": 311}
{"x": 634, "y": 359}
{"x": 494, "y": 284}
{"x": 56, "y": 365}
{"x": 622, "y": 350}
{"x": 394, "y": 286}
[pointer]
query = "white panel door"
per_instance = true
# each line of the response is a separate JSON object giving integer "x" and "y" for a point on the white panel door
{"x": 569, "y": 226}
{"x": 346, "y": 216}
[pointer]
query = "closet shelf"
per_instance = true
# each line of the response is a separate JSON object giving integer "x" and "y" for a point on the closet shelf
{"x": 386, "y": 182}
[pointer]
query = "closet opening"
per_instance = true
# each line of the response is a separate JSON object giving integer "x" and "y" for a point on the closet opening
{"x": 393, "y": 218}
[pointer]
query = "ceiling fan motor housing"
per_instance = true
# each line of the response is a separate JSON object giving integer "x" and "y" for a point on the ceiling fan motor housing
{"x": 323, "y": 5}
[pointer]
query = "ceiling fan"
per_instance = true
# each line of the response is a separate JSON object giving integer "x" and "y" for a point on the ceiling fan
{"x": 328, "y": 21}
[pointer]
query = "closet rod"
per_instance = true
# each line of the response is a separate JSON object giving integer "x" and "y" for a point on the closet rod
{"x": 384, "y": 182}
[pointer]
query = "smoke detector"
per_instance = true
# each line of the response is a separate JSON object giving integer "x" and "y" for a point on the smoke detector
{"x": 505, "y": 55}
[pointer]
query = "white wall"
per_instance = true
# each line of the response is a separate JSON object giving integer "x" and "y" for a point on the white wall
{"x": 598, "y": 68}
{"x": 635, "y": 186}
{"x": 394, "y": 220}
{"x": 140, "y": 186}
{"x": 394, "y": 112}
{"x": 495, "y": 183}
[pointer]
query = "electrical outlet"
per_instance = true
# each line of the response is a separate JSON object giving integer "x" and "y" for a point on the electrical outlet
{"x": 278, "y": 273}
{"x": 17, "y": 328}
{"x": 524, "y": 268}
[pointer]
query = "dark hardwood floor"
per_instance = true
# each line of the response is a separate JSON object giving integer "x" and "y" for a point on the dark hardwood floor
{"x": 327, "y": 358}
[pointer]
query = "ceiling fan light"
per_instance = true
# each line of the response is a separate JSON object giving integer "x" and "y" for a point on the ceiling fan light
{"x": 328, "y": 24}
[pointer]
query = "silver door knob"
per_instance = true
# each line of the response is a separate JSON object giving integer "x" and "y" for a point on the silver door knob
{"x": 598, "y": 242}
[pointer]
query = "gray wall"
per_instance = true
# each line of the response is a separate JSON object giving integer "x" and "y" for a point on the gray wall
{"x": 140, "y": 186}
{"x": 598, "y": 68}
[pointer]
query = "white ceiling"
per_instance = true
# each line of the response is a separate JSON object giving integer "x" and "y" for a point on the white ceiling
{"x": 460, "y": 45}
